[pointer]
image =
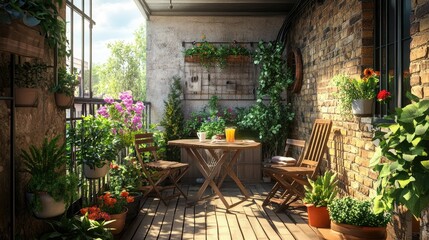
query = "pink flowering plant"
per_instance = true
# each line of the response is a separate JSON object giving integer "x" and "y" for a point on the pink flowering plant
{"x": 127, "y": 116}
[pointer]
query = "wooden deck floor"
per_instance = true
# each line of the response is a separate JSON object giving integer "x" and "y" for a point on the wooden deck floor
{"x": 210, "y": 220}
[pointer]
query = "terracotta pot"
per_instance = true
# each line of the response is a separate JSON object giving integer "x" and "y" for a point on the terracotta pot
{"x": 96, "y": 172}
{"x": 134, "y": 207}
{"x": 26, "y": 97}
{"x": 49, "y": 207}
{"x": 318, "y": 216}
{"x": 192, "y": 59}
{"x": 355, "y": 232}
{"x": 64, "y": 101}
{"x": 119, "y": 223}
{"x": 238, "y": 59}
{"x": 362, "y": 107}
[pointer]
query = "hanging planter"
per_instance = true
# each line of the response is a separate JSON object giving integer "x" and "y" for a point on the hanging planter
{"x": 95, "y": 172}
{"x": 26, "y": 97}
{"x": 23, "y": 40}
{"x": 64, "y": 101}
{"x": 362, "y": 107}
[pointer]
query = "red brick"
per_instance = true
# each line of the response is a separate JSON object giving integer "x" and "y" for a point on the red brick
{"x": 418, "y": 53}
{"x": 424, "y": 24}
{"x": 419, "y": 40}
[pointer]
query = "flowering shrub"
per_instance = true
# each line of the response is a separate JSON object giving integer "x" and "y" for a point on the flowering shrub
{"x": 124, "y": 176}
{"x": 126, "y": 116}
{"x": 94, "y": 213}
{"x": 383, "y": 96}
{"x": 113, "y": 204}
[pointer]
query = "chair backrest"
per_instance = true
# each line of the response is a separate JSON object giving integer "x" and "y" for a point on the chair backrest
{"x": 316, "y": 145}
{"x": 144, "y": 143}
{"x": 293, "y": 143}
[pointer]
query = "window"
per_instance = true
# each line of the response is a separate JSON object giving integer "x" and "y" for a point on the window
{"x": 392, "y": 51}
{"x": 79, "y": 34}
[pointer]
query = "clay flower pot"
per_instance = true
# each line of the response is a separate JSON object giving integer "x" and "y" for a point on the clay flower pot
{"x": 318, "y": 216}
{"x": 119, "y": 223}
{"x": 347, "y": 231}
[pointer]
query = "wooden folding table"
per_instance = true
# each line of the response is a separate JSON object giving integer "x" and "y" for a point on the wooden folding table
{"x": 221, "y": 162}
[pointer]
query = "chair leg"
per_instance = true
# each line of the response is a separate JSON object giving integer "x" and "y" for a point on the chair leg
{"x": 271, "y": 194}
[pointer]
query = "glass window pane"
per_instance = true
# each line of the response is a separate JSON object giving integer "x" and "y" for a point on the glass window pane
{"x": 391, "y": 22}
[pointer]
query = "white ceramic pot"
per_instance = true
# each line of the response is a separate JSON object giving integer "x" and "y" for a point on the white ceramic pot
{"x": 95, "y": 172}
{"x": 362, "y": 107}
{"x": 49, "y": 207}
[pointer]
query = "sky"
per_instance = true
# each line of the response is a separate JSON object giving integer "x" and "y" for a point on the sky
{"x": 115, "y": 20}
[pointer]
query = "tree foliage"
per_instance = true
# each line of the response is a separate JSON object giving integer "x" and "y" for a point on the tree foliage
{"x": 125, "y": 68}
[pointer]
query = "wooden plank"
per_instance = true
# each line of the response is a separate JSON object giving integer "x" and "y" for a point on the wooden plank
{"x": 189, "y": 223}
{"x": 223, "y": 228}
{"x": 167, "y": 224}
{"x": 292, "y": 227}
{"x": 242, "y": 220}
{"x": 179, "y": 217}
{"x": 133, "y": 226}
{"x": 211, "y": 230}
{"x": 301, "y": 223}
{"x": 200, "y": 222}
{"x": 146, "y": 223}
{"x": 156, "y": 224}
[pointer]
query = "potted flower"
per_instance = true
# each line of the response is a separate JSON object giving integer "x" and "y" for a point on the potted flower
{"x": 357, "y": 95}
{"x": 318, "y": 195}
{"x": 95, "y": 145}
{"x": 354, "y": 219}
{"x": 127, "y": 177}
{"x": 50, "y": 188}
{"x": 64, "y": 88}
{"x": 115, "y": 206}
{"x": 79, "y": 227}
{"x": 202, "y": 52}
{"x": 126, "y": 117}
{"x": 238, "y": 54}
{"x": 28, "y": 78}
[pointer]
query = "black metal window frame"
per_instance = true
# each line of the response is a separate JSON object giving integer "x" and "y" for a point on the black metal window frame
{"x": 392, "y": 52}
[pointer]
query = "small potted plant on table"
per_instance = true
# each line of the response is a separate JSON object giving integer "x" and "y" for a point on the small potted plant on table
{"x": 50, "y": 189}
{"x": 64, "y": 88}
{"x": 354, "y": 219}
{"x": 318, "y": 195}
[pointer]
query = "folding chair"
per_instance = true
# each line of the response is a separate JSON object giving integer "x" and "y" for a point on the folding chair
{"x": 291, "y": 179}
{"x": 286, "y": 159}
{"x": 155, "y": 171}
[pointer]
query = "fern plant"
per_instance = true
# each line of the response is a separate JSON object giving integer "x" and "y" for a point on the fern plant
{"x": 45, "y": 164}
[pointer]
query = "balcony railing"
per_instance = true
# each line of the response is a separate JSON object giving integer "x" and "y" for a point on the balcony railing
{"x": 91, "y": 187}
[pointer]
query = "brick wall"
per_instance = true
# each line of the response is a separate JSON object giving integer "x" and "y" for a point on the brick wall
{"x": 336, "y": 37}
{"x": 419, "y": 66}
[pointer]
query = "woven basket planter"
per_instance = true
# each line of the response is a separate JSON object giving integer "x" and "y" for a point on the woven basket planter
{"x": 22, "y": 40}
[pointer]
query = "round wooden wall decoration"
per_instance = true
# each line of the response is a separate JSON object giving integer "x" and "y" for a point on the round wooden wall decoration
{"x": 294, "y": 62}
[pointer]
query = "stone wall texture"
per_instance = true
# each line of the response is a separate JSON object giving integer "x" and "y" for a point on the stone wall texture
{"x": 165, "y": 58}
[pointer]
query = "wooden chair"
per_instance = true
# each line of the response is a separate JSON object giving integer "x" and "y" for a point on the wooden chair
{"x": 155, "y": 171}
{"x": 291, "y": 179}
{"x": 286, "y": 159}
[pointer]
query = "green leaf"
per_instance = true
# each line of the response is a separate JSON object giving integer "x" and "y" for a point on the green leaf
{"x": 409, "y": 113}
{"x": 425, "y": 164}
{"x": 404, "y": 182}
{"x": 409, "y": 157}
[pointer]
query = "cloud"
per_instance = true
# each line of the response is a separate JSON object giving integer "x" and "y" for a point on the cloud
{"x": 115, "y": 20}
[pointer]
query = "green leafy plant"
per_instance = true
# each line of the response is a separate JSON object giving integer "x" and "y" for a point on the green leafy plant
{"x": 78, "y": 228}
{"x": 124, "y": 176}
{"x": 31, "y": 75}
{"x": 401, "y": 159}
{"x": 66, "y": 82}
{"x": 173, "y": 120}
{"x": 351, "y": 211}
{"x": 213, "y": 126}
{"x": 205, "y": 52}
{"x": 42, "y": 13}
{"x": 94, "y": 140}
{"x": 322, "y": 191}
{"x": 350, "y": 89}
{"x": 46, "y": 166}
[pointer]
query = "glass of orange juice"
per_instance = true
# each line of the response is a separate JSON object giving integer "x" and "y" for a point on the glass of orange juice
{"x": 230, "y": 132}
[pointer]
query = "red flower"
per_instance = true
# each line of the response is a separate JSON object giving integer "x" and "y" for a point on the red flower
{"x": 383, "y": 96}
{"x": 124, "y": 194}
{"x": 130, "y": 199}
{"x": 368, "y": 72}
{"x": 83, "y": 211}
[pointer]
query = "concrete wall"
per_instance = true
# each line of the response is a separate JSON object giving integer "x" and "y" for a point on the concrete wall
{"x": 165, "y": 52}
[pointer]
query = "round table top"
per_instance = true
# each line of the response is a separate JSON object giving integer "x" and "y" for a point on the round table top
{"x": 214, "y": 144}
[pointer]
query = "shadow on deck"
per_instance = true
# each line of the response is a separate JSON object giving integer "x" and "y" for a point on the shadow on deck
{"x": 210, "y": 220}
